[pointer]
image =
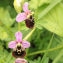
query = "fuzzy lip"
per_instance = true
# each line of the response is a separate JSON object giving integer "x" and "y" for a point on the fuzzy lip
{"x": 13, "y": 44}
{"x": 23, "y": 16}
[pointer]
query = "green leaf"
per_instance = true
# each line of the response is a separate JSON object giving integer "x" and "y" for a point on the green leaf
{"x": 34, "y": 3}
{"x": 46, "y": 60}
{"x": 52, "y": 21}
{"x": 58, "y": 57}
{"x": 5, "y": 17}
{"x": 3, "y": 35}
{"x": 49, "y": 8}
{"x": 44, "y": 2}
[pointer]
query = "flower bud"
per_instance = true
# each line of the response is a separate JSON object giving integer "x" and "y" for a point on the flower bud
{"x": 18, "y": 5}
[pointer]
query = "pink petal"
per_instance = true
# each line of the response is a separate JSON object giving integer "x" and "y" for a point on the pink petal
{"x": 25, "y": 7}
{"x": 18, "y": 36}
{"x": 12, "y": 44}
{"x": 25, "y": 44}
{"x": 21, "y": 17}
{"x": 20, "y": 60}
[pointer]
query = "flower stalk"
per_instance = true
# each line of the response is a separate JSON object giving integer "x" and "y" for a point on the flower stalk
{"x": 18, "y": 45}
{"x": 29, "y": 34}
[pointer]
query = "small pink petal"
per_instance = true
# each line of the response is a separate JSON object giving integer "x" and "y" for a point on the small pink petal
{"x": 25, "y": 44}
{"x": 18, "y": 36}
{"x": 25, "y": 7}
{"x": 21, "y": 17}
{"x": 12, "y": 44}
{"x": 20, "y": 60}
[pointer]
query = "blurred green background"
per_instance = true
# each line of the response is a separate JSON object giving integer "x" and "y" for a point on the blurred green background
{"x": 47, "y": 39}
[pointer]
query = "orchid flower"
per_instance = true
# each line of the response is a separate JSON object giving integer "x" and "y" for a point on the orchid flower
{"x": 24, "y": 15}
{"x": 24, "y": 44}
{"x": 20, "y": 60}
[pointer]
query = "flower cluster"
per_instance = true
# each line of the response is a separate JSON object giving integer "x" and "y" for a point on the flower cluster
{"x": 19, "y": 46}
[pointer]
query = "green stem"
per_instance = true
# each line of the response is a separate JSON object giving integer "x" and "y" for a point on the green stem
{"x": 58, "y": 57}
{"x": 43, "y": 51}
{"x": 18, "y": 26}
{"x": 29, "y": 34}
{"x": 48, "y": 48}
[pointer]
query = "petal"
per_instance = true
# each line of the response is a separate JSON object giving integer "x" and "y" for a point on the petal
{"x": 21, "y": 17}
{"x": 18, "y": 36}
{"x": 12, "y": 44}
{"x": 25, "y": 7}
{"x": 20, "y": 60}
{"x": 25, "y": 44}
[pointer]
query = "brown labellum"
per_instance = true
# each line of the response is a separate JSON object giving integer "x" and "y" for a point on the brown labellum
{"x": 19, "y": 52}
{"x": 30, "y": 22}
